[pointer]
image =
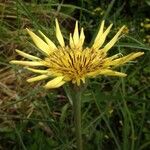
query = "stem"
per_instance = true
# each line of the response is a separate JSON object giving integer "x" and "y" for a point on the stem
{"x": 77, "y": 116}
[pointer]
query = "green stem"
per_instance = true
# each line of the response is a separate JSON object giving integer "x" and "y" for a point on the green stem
{"x": 77, "y": 115}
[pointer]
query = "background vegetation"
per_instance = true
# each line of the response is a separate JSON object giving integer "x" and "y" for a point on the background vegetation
{"x": 115, "y": 112}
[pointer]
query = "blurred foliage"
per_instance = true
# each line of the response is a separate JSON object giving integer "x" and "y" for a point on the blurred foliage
{"x": 115, "y": 111}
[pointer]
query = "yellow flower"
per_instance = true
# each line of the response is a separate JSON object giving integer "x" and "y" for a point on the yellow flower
{"x": 73, "y": 62}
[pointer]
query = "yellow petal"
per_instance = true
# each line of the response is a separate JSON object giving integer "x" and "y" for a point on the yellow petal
{"x": 31, "y": 57}
{"x": 100, "y": 32}
{"x": 76, "y": 34}
{"x": 83, "y": 79}
{"x": 27, "y": 63}
{"x": 78, "y": 81}
{"x": 106, "y": 72}
{"x": 109, "y": 59}
{"x": 38, "y": 78}
{"x": 55, "y": 83}
{"x": 120, "y": 61}
{"x": 49, "y": 42}
{"x": 112, "y": 73}
{"x": 101, "y": 39}
{"x": 39, "y": 43}
{"x": 71, "y": 41}
{"x": 59, "y": 34}
{"x": 82, "y": 37}
{"x": 113, "y": 41}
{"x": 37, "y": 70}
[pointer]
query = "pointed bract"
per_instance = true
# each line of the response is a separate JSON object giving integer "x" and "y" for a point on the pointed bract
{"x": 25, "y": 55}
{"x": 123, "y": 60}
{"x": 37, "y": 70}
{"x": 27, "y": 63}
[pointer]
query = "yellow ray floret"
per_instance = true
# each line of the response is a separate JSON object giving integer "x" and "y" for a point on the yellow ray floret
{"x": 25, "y": 55}
{"x": 51, "y": 45}
{"x": 123, "y": 60}
{"x": 73, "y": 62}
{"x": 106, "y": 72}
{"x": 82, "y": 37}
{"x": 28, "y": 63}
{"x": 71, "y": 43}
{"x": 100, "y": 39}
{"x": 55, "y": 83}
{"x": 113, "y": 41}
{"x": 76, "y": 34}
{"x": 59, "y": 34}
{"x": 39, "y": 43}
{"x": 38, "y": 78}
{"x": 38, "y": 70}
{"x": 100, "y": 32}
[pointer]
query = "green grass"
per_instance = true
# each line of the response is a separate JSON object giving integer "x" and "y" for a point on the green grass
{"x": 115, "y": 112}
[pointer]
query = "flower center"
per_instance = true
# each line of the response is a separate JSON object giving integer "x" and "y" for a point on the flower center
{"x": 74, "y": 63}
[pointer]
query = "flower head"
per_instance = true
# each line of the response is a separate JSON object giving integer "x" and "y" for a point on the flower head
{"x": 73, "y": 62}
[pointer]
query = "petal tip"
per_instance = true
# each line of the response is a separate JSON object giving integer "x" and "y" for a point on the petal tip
{"x": 11, "y": 62}
{"x": 124, "y": 75}
{"x": 28, "y": 30}
{"x": 28, "y": 80}
{"x": 142, "y": 53}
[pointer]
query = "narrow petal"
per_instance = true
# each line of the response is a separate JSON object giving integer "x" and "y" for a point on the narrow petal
{"x": 49, "y": 42}
{"x": 83, "y": 80}
{"x": 27, "y": 63}
{"x": 38, "y": 78}
{"x": 37, "y": 70}
{"x": 100, "y": 32}
{"x": 101, "y": 39}
{"x": 108, "y": 59}
{"x": 59, "y": 34}
{"x": 106, "y": 72}
{"x": 31, "y": 57}
{"x": 82, "y": 37}
{"x": 113, "y": 41}
{"x": 71, "y": 41}
{"x": 78, "y": 82}
{"x": 55, "y": 83}
{"x": 76, "y": 34}
{"x": 123, "y": 60}
{"x": 112, "y": 73}
{"x": 39, "y": 42}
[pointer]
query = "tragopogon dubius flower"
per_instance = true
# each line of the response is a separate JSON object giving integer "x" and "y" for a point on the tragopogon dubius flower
{"x": 73, "y": 62}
